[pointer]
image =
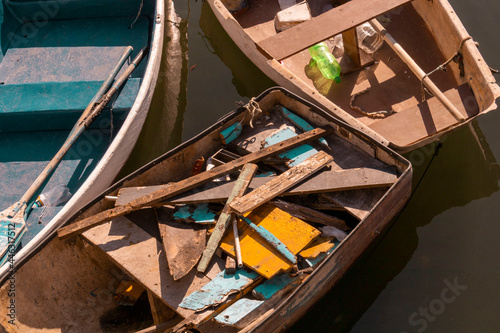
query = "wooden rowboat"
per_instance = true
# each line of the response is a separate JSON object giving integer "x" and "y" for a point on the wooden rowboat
{"x": 160, "y": 245}
{"x": 55, "y": 56}
{"x": 378, "y": 94}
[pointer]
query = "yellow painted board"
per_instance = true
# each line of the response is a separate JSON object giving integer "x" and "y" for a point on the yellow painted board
{"x": 320, "y": 245}
{"x": 260, "y": 256}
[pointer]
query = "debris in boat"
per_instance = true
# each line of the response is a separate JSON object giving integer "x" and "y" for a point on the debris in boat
{"x": 329, "y": 231}
{"x": 199, "y": 213}
{"x": 320, "y": 245}
{"x": 293, "y": 156}
{"x": 237, "y": 248}
{"x": 198, "y": 166}
{"x": 257, "y": 253}
{"x": 230, "y": 133}
{"x": 217, "y": 290}
{"x": 281, "y": 183}
{"x": 230, "y": 265}
{"x": 225, "y": 216}
{"x": 183, "y": 243}
{"x": 292, "y": 15}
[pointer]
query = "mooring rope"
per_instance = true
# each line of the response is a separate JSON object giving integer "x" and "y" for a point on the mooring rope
{"x": 374, "y": 114}
{"x": 253, "y": 108}
{"x": 442, "y": 67}
{"x": 138, "y": 14}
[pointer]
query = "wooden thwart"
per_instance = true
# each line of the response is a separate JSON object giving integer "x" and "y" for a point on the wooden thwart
{"x": 188, "y": 183}
{"x": 281, "y": 183}
{"x": 344, "y": 17}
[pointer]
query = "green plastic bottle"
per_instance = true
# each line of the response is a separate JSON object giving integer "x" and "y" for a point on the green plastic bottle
{"x": 326, "y": 62}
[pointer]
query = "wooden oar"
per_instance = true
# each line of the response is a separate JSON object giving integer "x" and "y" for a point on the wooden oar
{"x": 14, "y": 215}
{"x": 422, "y": 76}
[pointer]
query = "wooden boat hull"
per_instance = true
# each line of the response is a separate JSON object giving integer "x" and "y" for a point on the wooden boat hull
{"x": 112, "y": 160}
{"x": 87, "y": 264}
{"x": 443, "y": 28}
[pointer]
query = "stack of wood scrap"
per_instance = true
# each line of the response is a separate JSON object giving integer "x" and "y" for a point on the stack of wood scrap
{"x": 227, "y": 250}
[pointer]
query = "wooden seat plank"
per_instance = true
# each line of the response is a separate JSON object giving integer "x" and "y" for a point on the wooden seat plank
{"x": 324, "y": 26}
{"x": 143, "y": 258}
{"x": 426, "y": 119}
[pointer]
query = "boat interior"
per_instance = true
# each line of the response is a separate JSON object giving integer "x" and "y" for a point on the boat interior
{"x": 151, "y": 268}
{"x": 54, "y": 56}
{"x": 378, "y": 89}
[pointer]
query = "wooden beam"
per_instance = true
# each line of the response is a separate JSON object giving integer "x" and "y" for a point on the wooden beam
{"x": 324, "y": 181}
{"x": 281, "y": 183}
{"x": 239, "y": 189}
{"x": 324, "y": 26}
{"x": 188, "y": 183}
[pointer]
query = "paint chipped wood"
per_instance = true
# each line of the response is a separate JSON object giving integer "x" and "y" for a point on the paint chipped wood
{"x": 187, "y": 184}
{"x": 260, "y": 256}
{"x": 281, "y": 183}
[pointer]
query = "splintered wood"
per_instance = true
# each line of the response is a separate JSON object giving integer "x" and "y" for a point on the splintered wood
{"x": 260, "y": 256}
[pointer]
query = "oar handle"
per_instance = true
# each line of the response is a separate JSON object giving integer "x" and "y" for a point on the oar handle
{"x": 114, "y": 88}
{"x": 80, "y": 127}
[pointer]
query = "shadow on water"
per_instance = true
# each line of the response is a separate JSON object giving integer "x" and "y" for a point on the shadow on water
{"x": 463, "y": 171}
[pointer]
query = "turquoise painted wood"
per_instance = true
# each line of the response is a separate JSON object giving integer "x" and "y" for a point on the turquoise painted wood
{"x": 295, "y": 155}
{"x": 301, "y": 123}
{"x": 216, "y": 291}
{"x": 239, "y": 310}
{"x": 271, "y": 239}
{"x": 231, "y": 133}
{"x": 195, "y": 213}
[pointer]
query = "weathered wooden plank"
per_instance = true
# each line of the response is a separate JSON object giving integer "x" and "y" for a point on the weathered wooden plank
{"x": 260, "y": 256}
{"x": 217, "y": 290}
{"x": 183, "y": 243}
{"x": 358, "y": 203}
{"x": 160, "y": 312}
{"x": 318, "y": 246}
{"x": 239, "y": 189}
{"x": 306, "y": 34}
{"x": 199, "y": 213}
{"x": 230, "y": 265}
{"x": 324, "y": 181}
{"x": 293, "y": 156}
{"x": 310, "y": 215}
{"x": 300, "y": 123}
{"x": 281, "y": 183}
{"x": 187, "y": 184}
{"x": 143, "y": 258}
{"x": 233, "y": 314}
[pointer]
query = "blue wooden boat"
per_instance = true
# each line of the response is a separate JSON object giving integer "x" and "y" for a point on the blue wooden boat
{"x": 55, "y": 56}
{"x": 158, "y": 256}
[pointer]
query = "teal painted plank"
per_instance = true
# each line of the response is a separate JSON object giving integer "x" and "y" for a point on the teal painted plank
{"x": 217, "y": 290}
{"x": 195, "y": 213}
{"x": 272, "y": 286}
{"x": 231, "y": 133}
{"x": 271, "y": 239}
{"x": 239, "y": 310}
{"x": 295, "y": 155}
{"x": 301, "y": 123}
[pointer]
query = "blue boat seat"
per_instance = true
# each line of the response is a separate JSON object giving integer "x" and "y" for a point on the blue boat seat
{"x": 55, "y": 105}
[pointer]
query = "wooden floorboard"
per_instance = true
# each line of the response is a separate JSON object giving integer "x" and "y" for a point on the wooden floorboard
{"x": 425, "y": 119}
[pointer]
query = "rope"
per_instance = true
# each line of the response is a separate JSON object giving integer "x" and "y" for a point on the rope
{"x": 456, "y": 57}
{"x": 252, "y": 107}
{"x": 138, "y": 14}
{"x": 374, "y": 114}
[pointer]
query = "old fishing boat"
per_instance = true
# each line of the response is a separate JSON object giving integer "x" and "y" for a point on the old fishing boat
{"x": 72, "y": 106}
{"x": 241, "y": 228}
{"x": 378, "y": 93}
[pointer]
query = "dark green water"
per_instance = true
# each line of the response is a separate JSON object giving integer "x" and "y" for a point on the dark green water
{"x": 438, "y": 268}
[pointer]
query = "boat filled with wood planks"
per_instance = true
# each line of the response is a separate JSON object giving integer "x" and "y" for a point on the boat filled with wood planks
{"x": 409, "y": 71}
{"x": 241, "y": 228}
{"x": 77, "y": 80}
